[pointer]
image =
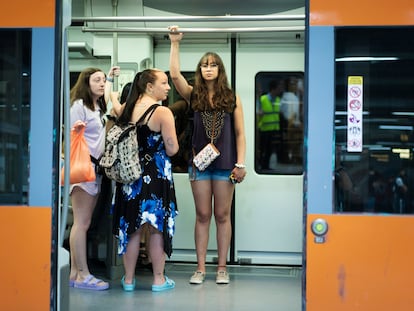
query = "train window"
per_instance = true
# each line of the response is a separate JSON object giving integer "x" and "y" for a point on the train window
{"x": 279, "y": 123}
{"x": 15, "y": 66}
{"x": 374, "y": 119}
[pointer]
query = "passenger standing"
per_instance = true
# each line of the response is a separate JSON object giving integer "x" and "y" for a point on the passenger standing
{"x": 290, "y": 103}
{"x": 117, "y": 104}
{"x": 149, "y": 201}
{"x": 125, "y": 92}
{"x": 88, "y": 107}
{"x": 344, "y": 187}
{"x": 269, "y": 124}
{"x": 144, "y": 257}
{"x": 183, "y": 115}
{"x": 400, "y": 191}
{"x": 291, "y": 122}
{"x": 218, "y": 114}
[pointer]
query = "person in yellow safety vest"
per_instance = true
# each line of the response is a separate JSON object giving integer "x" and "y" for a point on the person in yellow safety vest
{"x": 269, "y": 123}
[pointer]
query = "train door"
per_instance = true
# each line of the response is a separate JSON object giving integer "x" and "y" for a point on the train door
{"x": 269, "y": 205}
{"x": 359, "y": 148}
{"x": 267, "y": 209}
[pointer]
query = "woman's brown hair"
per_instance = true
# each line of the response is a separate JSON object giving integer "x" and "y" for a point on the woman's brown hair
{"x": 82, "y": 90}
{"x": 223, "y": 99}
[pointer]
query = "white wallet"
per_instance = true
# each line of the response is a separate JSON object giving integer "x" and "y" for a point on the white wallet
{"x": 206, "y": 156}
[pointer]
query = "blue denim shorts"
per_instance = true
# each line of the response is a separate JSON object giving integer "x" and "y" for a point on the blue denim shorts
{"x": 208, "y": 174}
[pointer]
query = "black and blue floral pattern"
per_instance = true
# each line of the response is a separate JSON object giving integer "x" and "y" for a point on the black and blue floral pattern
{"x": 150, "y": 199}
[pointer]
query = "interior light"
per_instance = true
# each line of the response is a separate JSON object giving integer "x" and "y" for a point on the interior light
{"x": 400, "y": 150}
{"x": 404, "y": 153}
{"x": 343, "y": 113}
{"x": 377, "y": 147}
{"x": 402, "y": 113}
{"x": 365, "y": 59}
{"x": 396, "y": 127}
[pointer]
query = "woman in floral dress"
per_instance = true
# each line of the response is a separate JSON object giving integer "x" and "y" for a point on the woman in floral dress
{"x": 149, "y": 201}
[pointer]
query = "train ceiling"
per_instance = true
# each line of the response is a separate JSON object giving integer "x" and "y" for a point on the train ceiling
{"x": 223, "y": 7}
{"x": 287, "y": 31}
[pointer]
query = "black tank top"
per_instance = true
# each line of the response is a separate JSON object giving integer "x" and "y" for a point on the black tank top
{"x": 225, "y": 142}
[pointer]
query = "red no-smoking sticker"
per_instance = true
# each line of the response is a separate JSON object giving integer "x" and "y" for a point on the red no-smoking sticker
{"x": 355, "y": 104}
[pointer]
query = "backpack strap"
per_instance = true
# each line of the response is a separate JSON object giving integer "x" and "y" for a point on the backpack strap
{"x": 150, "y": 110}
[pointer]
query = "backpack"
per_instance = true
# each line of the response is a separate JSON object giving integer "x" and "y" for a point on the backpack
{"x": 120, "y": 160}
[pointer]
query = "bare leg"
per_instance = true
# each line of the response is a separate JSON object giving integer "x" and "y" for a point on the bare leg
{"x": 145, "y": 240}
{"x": 156, "y": 250}
{"x": 223, "y": 195}
{"x": 202, "y": 198}
{"x": 131, "y": 256}
{"x": 83, "y": 205}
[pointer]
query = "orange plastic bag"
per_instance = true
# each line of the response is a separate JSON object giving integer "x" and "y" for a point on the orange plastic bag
{"x": 81, "y": 168}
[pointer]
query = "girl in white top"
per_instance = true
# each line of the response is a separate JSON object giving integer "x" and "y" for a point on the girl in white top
{"x": 88, "y": 106}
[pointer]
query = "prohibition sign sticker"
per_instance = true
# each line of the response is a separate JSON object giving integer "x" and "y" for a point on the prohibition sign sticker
{"x": 354, "y": 114}
{"x": 355, "y": 104}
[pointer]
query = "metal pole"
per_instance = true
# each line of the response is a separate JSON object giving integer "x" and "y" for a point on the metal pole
{"x": 196, "y": 30}
{"x": 115, "y": 43}
{"x": 225, "y": 18}
{"x": 65, "y": 95}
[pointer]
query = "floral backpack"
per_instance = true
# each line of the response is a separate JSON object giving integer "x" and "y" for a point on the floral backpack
{"x": 120, "y": 160}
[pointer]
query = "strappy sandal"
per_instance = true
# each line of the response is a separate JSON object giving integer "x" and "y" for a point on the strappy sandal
{"x": 92, "y": 283}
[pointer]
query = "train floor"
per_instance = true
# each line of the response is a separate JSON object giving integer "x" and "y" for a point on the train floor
{"x": 251, "y": 288}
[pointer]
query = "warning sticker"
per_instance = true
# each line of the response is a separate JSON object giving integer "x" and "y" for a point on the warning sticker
{"x": 354, "y": 114}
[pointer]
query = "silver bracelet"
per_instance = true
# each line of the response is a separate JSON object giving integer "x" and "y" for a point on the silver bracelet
{"x": 239, "y": 165}
{"x": 109, "y": 79}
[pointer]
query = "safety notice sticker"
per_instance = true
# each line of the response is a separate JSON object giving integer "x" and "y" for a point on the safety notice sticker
{"x": 354, "y": 109}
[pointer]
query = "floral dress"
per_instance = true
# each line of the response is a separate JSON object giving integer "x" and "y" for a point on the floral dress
{"x": 150, "y": 199}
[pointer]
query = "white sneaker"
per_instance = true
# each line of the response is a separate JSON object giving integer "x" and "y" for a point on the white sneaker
{"x": 222, "y": 277}
{"x": 197, "y": 277}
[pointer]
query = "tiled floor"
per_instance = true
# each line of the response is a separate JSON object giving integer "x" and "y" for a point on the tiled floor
{"x": 251, "y": 288}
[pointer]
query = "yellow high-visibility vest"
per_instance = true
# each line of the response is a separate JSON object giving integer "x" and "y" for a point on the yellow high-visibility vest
{"x": 270, "y": 120}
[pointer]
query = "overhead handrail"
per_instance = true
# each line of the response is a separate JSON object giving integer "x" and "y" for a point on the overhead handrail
{"x": 195, "y": 30}
{"x": 185, "y": 18}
